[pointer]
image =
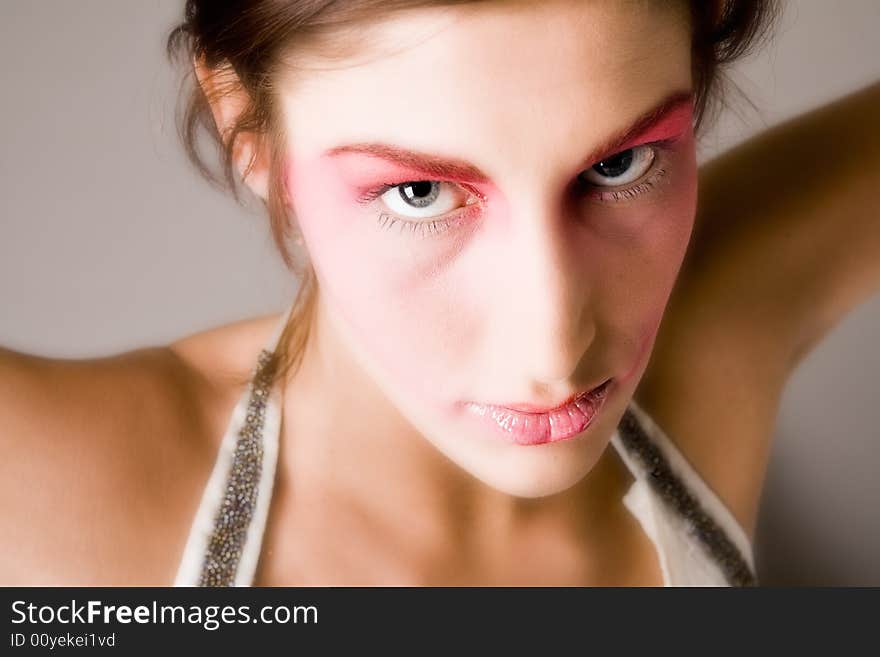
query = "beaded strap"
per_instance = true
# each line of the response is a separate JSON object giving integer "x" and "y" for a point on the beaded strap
{"x": 671, "y": 489}
{"x": 240, "y": 494}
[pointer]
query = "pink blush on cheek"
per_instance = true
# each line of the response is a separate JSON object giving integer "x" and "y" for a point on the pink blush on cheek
{"x": 317, "y": 194}
{"x": 644, "y": 349}
{"x": 343, "y": 240}
{"x": 367, "y": 276}
{"x": 334, "y": 227}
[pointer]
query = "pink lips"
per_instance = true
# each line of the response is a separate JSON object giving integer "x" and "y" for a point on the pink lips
{"x": 526, "y": 427}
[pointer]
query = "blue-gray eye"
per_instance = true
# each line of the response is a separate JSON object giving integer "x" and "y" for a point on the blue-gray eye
{"x": 422, "y": 199}
{"x": 621, "y": 168}
{"x": 419, "y": 194}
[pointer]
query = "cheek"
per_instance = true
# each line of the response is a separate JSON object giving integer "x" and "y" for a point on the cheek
{"x": 674, "y": 213}
{"x": 657, "y": 229}
{"x": 643, "y": 253}
{"x": 391, "y": 309}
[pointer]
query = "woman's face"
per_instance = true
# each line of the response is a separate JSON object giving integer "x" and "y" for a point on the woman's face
{"x": 551, "y": 170}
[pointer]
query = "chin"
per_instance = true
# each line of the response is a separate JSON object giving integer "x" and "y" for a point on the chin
{"x": 530, "y": 471}
{"x": 537, "y": 480}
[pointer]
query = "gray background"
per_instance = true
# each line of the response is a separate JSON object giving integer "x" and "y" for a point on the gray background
{"x": 110, "y": 241}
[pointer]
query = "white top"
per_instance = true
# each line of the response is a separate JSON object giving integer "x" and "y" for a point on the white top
{"x": 684, "y": 560}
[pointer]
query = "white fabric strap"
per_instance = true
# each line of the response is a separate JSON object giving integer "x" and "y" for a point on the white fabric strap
{"x": 708, "y": 499}
{"x": 189, "y": 570}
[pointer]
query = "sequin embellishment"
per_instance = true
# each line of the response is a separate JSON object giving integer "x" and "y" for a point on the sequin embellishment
{"x": 667, "y": 484}
{"x": 240, "y": 494}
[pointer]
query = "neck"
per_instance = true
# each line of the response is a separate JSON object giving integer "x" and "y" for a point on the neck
{"x": 346, "y": 452}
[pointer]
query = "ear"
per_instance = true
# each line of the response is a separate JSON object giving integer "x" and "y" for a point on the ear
{"x": 228, "y": 99}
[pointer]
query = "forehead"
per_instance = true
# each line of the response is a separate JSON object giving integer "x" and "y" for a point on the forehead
{"x": 475, "y": 81}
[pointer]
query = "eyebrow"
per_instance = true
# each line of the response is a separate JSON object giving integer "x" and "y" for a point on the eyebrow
{"x": 455, "y": 169}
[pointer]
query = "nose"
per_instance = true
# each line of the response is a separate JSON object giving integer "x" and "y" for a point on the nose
{"x": 549, "y": 296}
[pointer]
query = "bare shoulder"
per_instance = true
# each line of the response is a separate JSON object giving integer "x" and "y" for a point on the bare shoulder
{"x": 224, "y": 354}
{"x": 105, "y": 459}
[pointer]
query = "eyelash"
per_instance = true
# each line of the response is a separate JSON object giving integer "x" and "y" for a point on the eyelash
{"x": 424, "y": 228}
{"x": 442, "y": 224}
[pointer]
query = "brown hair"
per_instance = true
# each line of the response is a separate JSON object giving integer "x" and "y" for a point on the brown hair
{"x": 251, "y": 38}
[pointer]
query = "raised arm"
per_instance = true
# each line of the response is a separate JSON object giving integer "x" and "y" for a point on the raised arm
{"x": 794, "y": 213}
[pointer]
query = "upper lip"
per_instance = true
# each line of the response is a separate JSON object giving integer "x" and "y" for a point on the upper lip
{"x": 538, "y": 408}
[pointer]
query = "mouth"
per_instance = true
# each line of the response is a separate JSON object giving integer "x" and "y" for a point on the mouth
{"x": 526, "y": 424}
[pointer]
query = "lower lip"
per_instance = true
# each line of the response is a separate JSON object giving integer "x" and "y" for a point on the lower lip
{"x": 540, "y": 428}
